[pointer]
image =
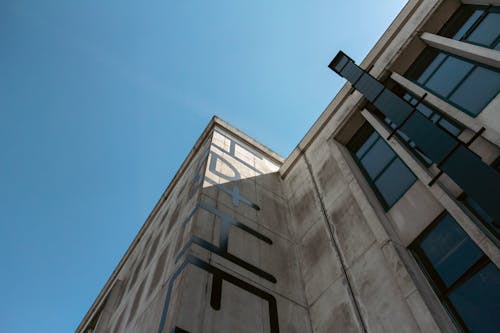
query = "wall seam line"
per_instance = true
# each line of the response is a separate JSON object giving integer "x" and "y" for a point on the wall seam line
{"x": 331, "y": 233}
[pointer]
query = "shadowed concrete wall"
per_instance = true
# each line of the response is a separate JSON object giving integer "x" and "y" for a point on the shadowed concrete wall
{"x": 219, "y": 256}
{"x": 244, "y": 241}
{"x": 354, "y": 276}
{"x": 237, "y": 249}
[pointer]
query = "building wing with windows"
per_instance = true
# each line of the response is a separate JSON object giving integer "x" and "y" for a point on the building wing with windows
{"x": 383, "y": 219}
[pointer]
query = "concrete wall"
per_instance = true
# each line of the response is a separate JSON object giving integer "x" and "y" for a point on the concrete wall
{"x": 244, "y": 242}
{"x": 219, "y": 256}
{"x": 240, "y": 186}
{"x": 151, "y": 263}
{"x": 354, "y": 277}
{"x": 236, "y": 248}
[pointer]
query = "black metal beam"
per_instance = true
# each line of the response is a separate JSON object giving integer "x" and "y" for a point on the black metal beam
{"x": 453, "y": 157}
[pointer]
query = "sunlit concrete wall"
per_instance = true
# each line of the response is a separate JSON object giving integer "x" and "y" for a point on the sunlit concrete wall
{"x": 236, "y": 248}
{"x": 245, "y": 241}
{"x": 241, "y": 272}
{"x": 219, "y": 256}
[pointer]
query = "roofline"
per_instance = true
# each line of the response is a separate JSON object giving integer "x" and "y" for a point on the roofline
{"x": 368, "y": 62}
{"x": 214, "y": 122}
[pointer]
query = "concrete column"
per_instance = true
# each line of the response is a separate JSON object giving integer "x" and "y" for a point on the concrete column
{"x": 440, "y": 193}
{"x": 475, "y": 124}
{"x": 469, "y": 51}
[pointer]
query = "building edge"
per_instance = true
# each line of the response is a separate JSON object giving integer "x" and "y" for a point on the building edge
{"x": 213, "y": 123}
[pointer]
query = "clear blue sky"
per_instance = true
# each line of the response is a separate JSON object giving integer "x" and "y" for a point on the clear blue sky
{"x": 100, "y": 101}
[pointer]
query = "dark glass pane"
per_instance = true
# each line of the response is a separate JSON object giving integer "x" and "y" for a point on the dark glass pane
{"x": 434, "y": 142}
{"x": 394, "y": 181}
{"x": 367, "y": 144}
{"x": 480, "y": 181}
{"x": 369, "y": 87}
{"x": 483, "y": 216}
{"x": 466, "y": 26}
{"x": 426, "y": 160}
{"x": 392, "y": 106}
{"x": 480, "y": 87}
{"x": 358, "y": 145}
{"x": 379, "y": 155}
{"x": 487, "y": 31}
{"x": 431, "y": 67}
{"x": 351, "y": 72}
{"x": 450, "y": 250}
{"x": 448, "y": 76}
{"x": 434, "y": 116}
{"x": 478, "y": 300}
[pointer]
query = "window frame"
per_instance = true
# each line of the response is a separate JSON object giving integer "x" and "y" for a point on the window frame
{"x": 435, "y": 116}
{"x": 427, "y": 57}
{"x": 487, "y": 229}
{"x": 365, "y": 173}
{"x": 461, "y": 17}
{"x": 435, "y": 281}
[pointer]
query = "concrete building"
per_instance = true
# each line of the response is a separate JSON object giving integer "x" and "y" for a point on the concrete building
{"x": 383, "y": 219}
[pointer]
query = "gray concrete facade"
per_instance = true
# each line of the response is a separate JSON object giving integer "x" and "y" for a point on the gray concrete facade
{"x": 244, "y": 240}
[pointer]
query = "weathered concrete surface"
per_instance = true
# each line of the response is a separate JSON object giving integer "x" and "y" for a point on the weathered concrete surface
{"x": 333, "y": 311}
{"x": 231, "y": 192}
{"x": 318, "y": 261}
{"x": 313, "y": 232}
{"x": 311, "y": 222}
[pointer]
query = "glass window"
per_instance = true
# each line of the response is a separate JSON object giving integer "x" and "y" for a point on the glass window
{"x": 487, "y": 31}
{"x": 476, "y": 25}
{"x": 450, "y": 73}
{"x": 450, "y": 250}
{"x": 431, "y": 67}
{"x": 492, "y": 226}
{"x": 465, "y": 280}
{"x": 393, "y": 180}
{"x": 464, "y": 20}
{"x": 477, "y": 300}
{"x": 429, "y": 112}
{"x": 473, "y": 94}
{"x": 377, "y": 158}
{"x": 387, "y": 174}
{"x": 461, "y": 82}
{"x": 436, "y": 117}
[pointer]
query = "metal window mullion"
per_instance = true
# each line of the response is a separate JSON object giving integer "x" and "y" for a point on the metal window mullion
{"x": 475, "y": 24}
{"x": 495, "y": 42}
{"x": 371, "y": 146}
{"x": 370, "y": 182}
{"x": 447, "y": 109}
{"x": 433, "y": 277}
{"x": 385, "y": 167}
{"x": 437, "y": 67}
{"x": 474, "y": 66}
{"x": 464, "y": 220}
{"x": 468, "y": 274}
{"x": 454, "y": 314}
